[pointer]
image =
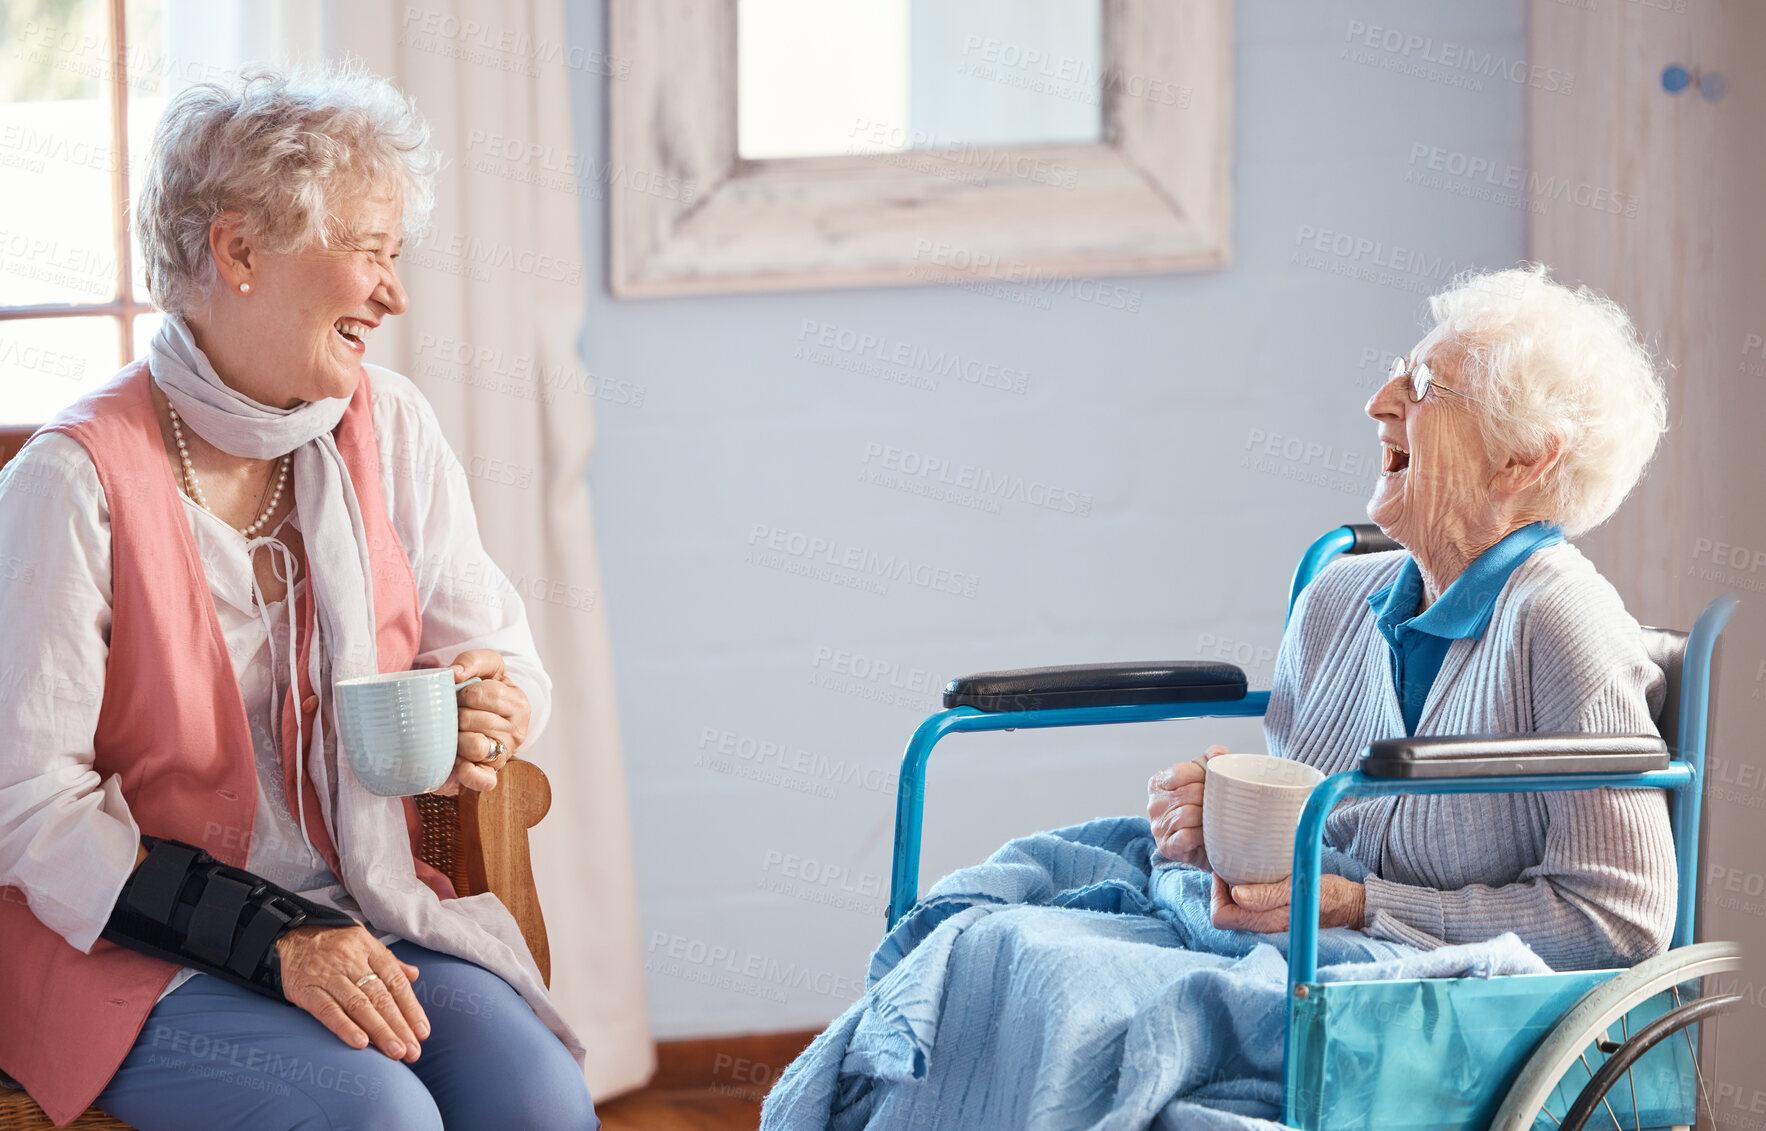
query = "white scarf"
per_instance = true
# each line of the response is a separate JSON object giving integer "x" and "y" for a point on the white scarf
{"x": 343, "y": 644}
{"x": 373, "y": 845}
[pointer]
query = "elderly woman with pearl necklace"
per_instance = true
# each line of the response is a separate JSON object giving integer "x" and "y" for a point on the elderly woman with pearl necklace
{"x": 206, "y": 910}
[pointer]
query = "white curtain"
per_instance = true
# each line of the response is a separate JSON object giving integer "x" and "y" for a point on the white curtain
{"x": 496, "y": 289}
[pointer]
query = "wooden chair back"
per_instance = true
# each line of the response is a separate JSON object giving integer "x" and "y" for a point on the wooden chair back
{"x": 479, "y": 841}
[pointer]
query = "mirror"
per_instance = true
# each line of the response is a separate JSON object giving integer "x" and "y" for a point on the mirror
{"x": 844, "y": 77}
{"x": 856, "y": 143}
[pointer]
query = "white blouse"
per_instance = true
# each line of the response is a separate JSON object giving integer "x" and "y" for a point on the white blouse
{"x": 67, "y": 839}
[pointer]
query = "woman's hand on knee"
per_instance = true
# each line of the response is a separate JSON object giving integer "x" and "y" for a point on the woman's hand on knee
{"x": 322, "y": 972}
{"x": 1174, "y": 806}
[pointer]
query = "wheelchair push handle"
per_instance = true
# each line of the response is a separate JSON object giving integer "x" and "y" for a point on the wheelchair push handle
{"x": 1369, "y": 539}
{"x": 1355, "y": 538}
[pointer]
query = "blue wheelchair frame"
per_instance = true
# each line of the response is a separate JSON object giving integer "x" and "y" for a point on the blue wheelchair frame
{"x": 1547, "y": 995}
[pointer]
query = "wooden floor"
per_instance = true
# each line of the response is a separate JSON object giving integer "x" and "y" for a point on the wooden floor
{"x": 702, "y": 1110}
{"x": 706, "y": 1085}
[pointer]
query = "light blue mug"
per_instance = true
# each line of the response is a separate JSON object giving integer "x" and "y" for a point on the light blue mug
{"x": 401, "y": 729}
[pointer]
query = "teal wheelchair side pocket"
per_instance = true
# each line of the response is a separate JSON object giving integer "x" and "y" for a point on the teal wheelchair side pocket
{"x": 1442, "y": 1053}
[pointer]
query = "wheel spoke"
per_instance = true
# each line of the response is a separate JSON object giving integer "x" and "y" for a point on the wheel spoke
{"x": 1625, "y": 1031}
{"x": 1697, "y": 1072}
{"x": 1583, "y": 1057}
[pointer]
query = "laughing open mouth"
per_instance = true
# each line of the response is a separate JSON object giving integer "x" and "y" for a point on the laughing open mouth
{"x": 354, "y": 331}
{"x": 1394, "y": 459}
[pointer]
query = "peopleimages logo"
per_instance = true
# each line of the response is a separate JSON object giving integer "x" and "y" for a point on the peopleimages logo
{"x": 474, "y": 252}
{"x": 505, "y": 48}
{"x": 956, "y": 265}
{"x": 920, "y": 364}
{"x": 744, "y": 971}
{"x": 40, "y": 146}
{"x": 520, "y": 159}
{"x": 1069, "y": 76}
{"x": 39, "y": 360}
{"x": 40, "y": 685}
{"x": 1372, "y": 259}
{"x": 1404, "y": 51}
{"x": 819, "y": 772}
{"x": 985, "y": 484}
{"x": 31, "y": 255}
{"x": 768, "y": 544}
{"x": 927, "y": 152}
{"x": 1487, "y": 178}
{"x": 1296, "y": 450}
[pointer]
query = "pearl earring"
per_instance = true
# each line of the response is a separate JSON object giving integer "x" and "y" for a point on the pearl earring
{"x": 245, "y": 288}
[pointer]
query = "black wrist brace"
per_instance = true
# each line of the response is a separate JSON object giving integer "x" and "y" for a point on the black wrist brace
{"x": 184, "y": 906}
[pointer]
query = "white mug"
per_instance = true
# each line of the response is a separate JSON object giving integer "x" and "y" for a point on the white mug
{"x": 401, "y": 729}
{"x": 1251, "y": 806}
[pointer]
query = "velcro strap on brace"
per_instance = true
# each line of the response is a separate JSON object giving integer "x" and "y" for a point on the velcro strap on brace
{"x": 272, "y": 920}
{"x": 212, "y": 924}
{"x": 154, "y": 888}
{"x": 184, "y": 906}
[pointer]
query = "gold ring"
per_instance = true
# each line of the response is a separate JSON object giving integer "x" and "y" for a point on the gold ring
{"x": 366, "y": 978}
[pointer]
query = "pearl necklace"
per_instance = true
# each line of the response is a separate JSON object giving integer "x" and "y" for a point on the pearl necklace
{"x": 195, "y": 488}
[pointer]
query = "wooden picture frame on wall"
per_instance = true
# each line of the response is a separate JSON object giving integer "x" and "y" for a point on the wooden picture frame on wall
{"x": 691, "y": 216}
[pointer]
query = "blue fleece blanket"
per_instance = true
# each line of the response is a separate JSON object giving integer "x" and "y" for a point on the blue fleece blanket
{"x": 1075, "y": 980}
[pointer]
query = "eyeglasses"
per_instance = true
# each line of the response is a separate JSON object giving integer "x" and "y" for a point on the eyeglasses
{"x": 1420, "y": 380}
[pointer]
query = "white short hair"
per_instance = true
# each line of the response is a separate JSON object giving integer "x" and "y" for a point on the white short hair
{"x": 287, "y": 150}
{"x": 1547, "y": 361}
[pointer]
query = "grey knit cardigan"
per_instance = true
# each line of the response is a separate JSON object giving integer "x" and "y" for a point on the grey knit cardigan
{"x": 1587, "y": 879}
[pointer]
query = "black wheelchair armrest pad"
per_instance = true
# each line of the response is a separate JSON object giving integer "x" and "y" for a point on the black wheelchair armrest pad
{"x": 1501, "y": 755}
{"x": 1097, "y": 685}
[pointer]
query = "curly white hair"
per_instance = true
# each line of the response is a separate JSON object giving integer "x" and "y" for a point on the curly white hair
{"x": 1553, "y": 365}
{"x": 289, "y": 151}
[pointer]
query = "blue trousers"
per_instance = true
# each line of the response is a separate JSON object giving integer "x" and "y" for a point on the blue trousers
{"x": 214, "y": 1055}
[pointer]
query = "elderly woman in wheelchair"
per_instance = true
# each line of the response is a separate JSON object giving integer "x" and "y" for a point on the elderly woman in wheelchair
{"x": 1455, "y": 944}
{"x": 1523, "y": 418}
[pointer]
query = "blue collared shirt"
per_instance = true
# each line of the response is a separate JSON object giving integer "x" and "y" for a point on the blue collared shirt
{"x": 1419, "y": 641}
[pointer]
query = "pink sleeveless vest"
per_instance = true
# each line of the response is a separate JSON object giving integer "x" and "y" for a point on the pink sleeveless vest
{"x": 173, "y": 724}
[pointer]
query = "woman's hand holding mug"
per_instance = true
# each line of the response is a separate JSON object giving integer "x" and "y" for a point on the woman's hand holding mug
{"x": 1174, "y": 805}
{"x": 492, "y": 710}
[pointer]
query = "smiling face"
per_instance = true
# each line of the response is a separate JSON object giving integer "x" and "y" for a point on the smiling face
{"x": 1435, "y": 485}
{"x": 301, "y": 331}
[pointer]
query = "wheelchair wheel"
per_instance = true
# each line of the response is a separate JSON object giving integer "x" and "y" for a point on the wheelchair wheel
{"x": 1625, "y": 1055}
{"x": 1581, "y": 1043}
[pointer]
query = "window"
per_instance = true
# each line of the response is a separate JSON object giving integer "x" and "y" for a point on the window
{"x": 81, "y": 86}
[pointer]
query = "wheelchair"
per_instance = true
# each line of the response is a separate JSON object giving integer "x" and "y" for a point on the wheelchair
{"x": 1508, "y": 1053}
